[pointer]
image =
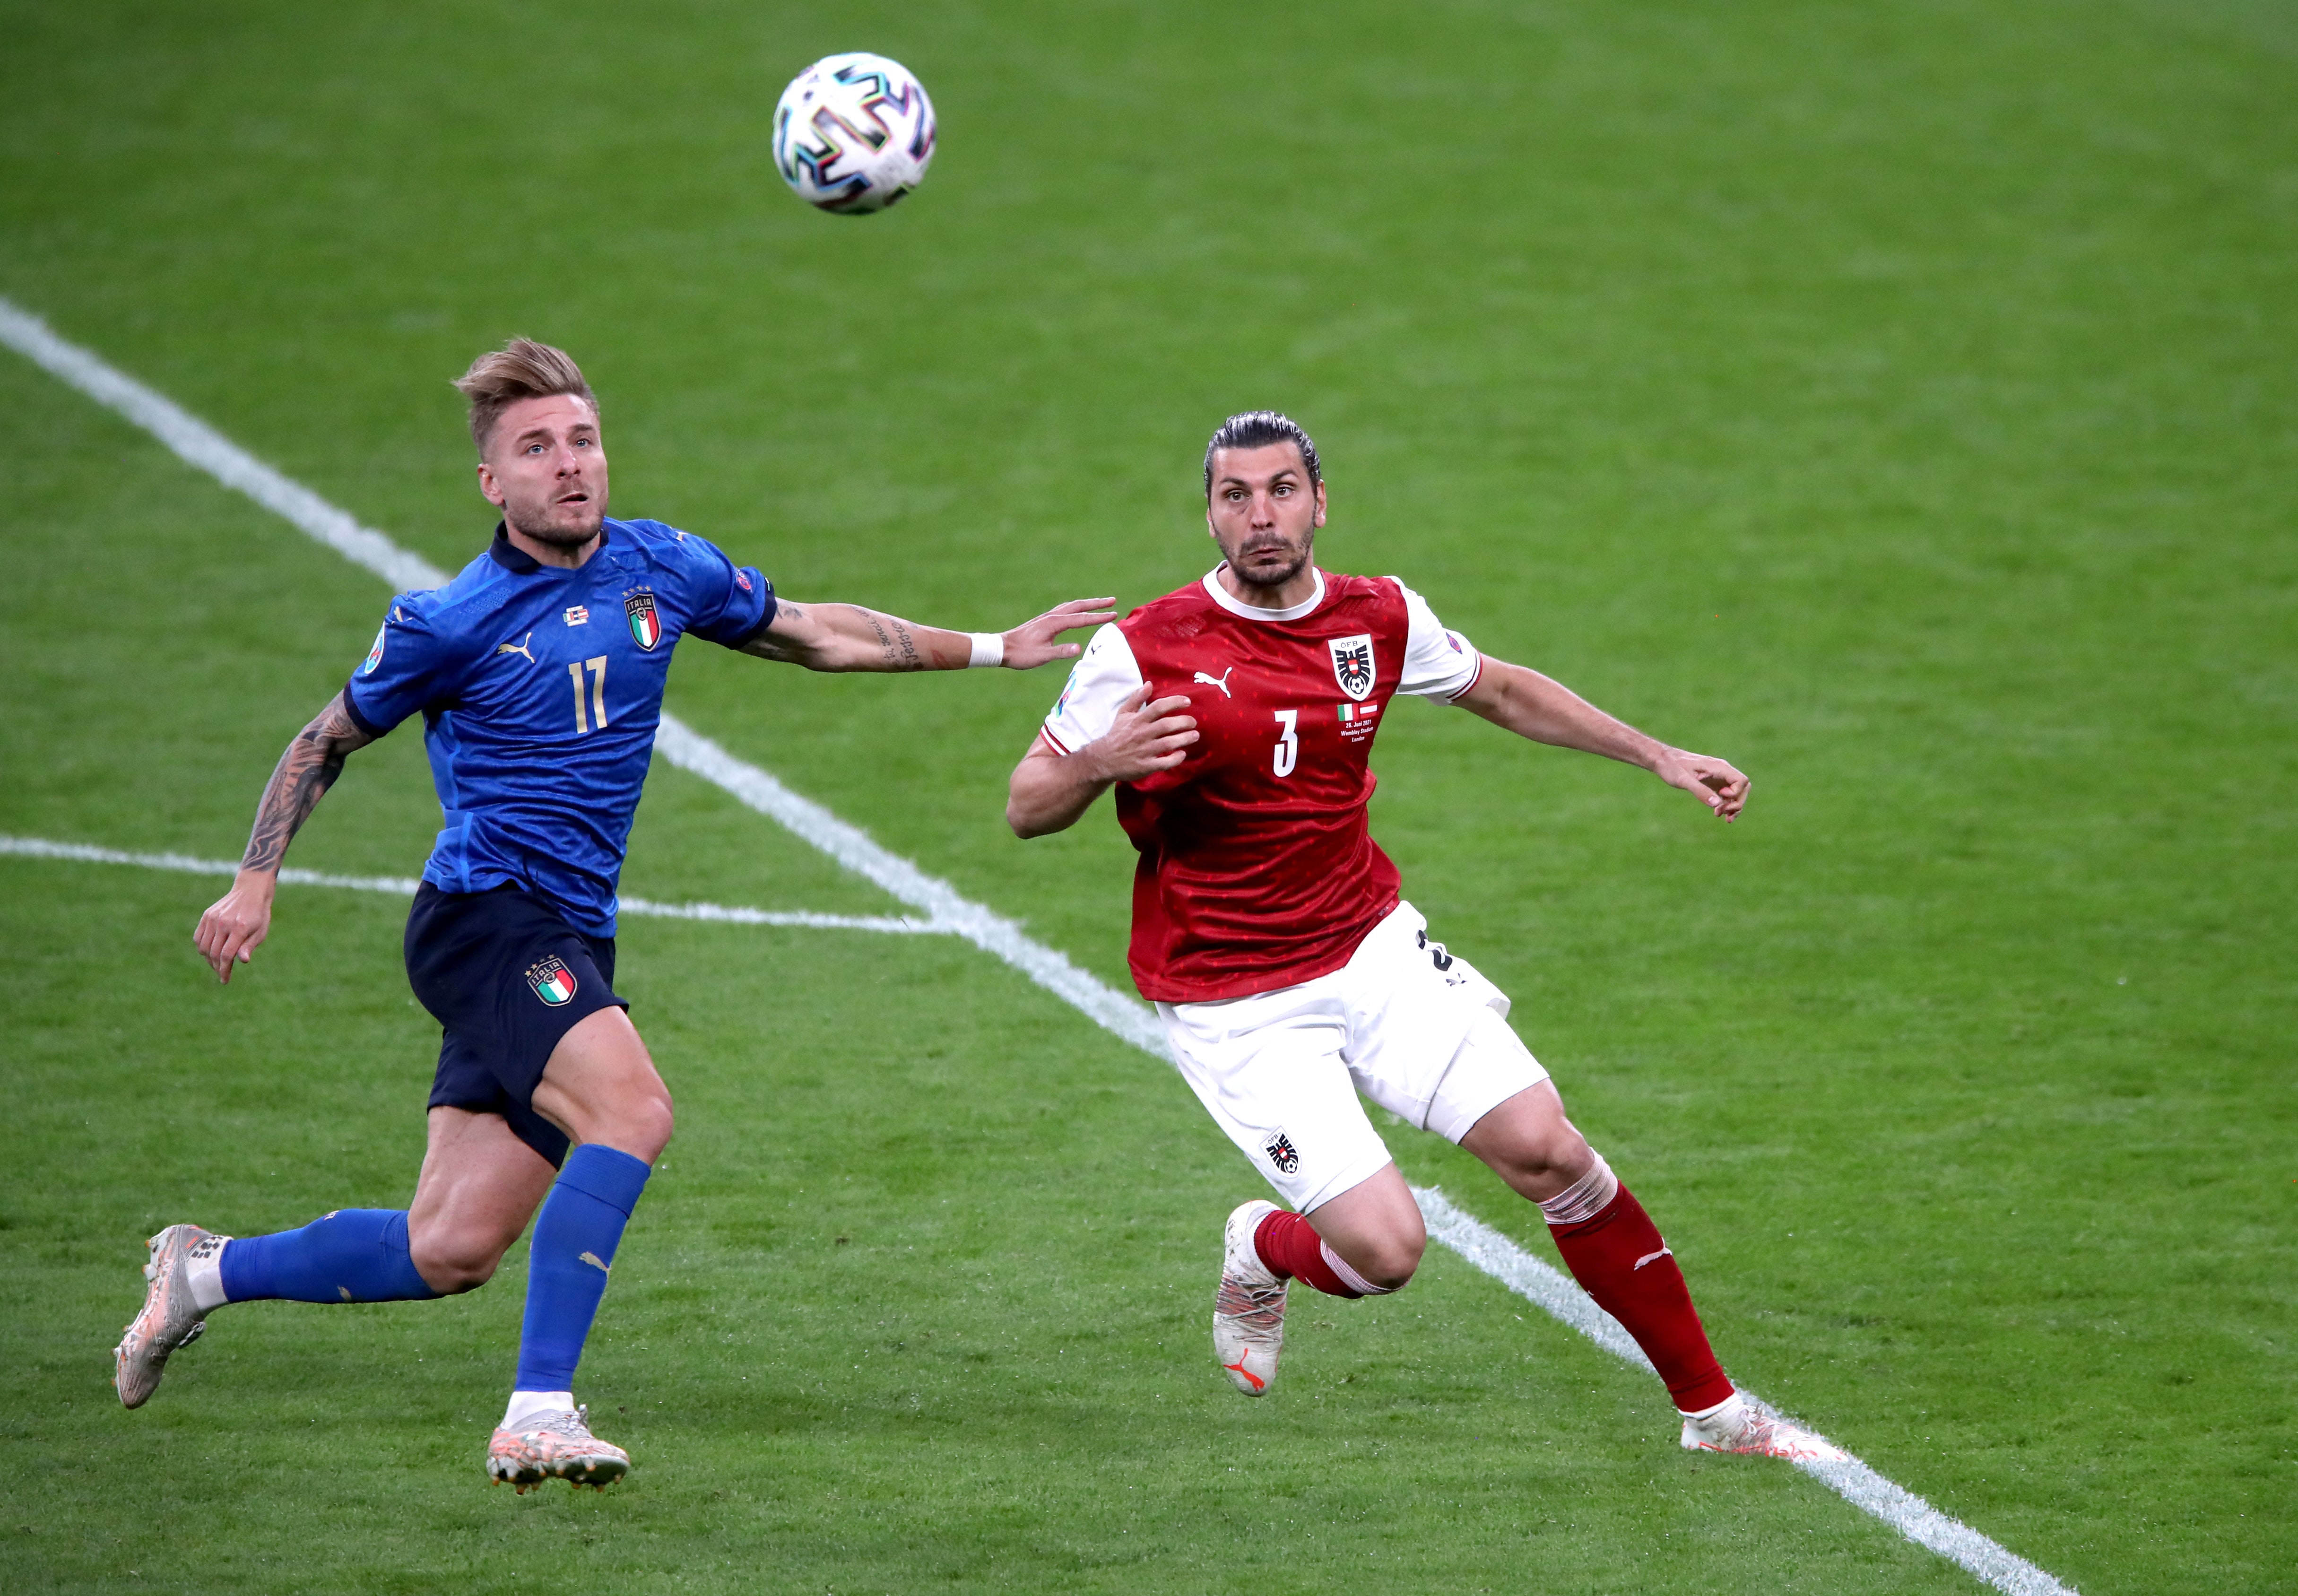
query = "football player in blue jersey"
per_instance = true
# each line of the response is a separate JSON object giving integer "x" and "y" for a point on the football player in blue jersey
{"x": 539, "y": 674}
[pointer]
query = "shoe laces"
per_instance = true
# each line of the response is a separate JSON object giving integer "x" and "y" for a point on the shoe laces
{"x": 575, "y": 1425}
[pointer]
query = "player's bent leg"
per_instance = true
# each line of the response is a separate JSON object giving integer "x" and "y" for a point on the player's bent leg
{"x": 479, "y": 1186}
{"x": 1368, "y": 1240}
{"x": 600, "y": 1087}
{"x": 1380, "y": 1237}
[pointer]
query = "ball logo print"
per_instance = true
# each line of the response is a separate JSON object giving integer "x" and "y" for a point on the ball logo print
{"x": 854, "y": 133}
{"x": 1279, "y": 1148}
{"x": 1353, "y": 662}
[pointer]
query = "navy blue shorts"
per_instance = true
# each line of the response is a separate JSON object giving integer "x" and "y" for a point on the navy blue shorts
{"x": 507, "y": 977}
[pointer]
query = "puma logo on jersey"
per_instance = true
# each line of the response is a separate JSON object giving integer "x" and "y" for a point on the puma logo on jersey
{"x": 517, "y": 647}
{"x": 1221, "y": 680}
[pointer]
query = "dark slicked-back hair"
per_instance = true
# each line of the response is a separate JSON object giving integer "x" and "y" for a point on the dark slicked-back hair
{"x": 520, "y": 369}
{"x": 1258, "y": 429}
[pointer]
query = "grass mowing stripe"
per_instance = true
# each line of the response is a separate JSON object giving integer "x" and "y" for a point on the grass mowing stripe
{"x": 200, "y": 445}
{"x": 1553, "y": 1293}
{"x": 40, "y": 848}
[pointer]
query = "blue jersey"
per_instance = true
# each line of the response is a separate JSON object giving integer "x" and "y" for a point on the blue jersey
{"x": 541, "y": 688}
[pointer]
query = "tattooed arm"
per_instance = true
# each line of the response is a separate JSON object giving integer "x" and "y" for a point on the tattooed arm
{"x": 846, "y": 637}
{"x": 235, "y": 926}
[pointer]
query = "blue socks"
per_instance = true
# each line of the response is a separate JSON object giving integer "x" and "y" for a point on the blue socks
{"x": 574, "y": 1240}
{"x": 359, "y": 1255}
{"x": 352, "y": 1255}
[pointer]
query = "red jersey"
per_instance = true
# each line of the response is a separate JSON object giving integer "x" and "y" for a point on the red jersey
{"x": 1256, "y": 869}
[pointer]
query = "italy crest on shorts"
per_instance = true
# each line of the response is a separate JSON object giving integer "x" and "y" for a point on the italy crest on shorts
{"x": 646, "y": 625}
{"x": 552, "y": 981}
{"x": 1353, "y": 662}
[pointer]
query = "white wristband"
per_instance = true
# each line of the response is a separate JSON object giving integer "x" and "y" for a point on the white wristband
{"x": 988, "y": 649}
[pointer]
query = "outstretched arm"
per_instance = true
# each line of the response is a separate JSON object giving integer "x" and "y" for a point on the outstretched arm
{"x": 1050, "y": 789}
{"x": 846, "y": 637}
{"x": 1532, "y": 705}
{"x": 235, "y": 925}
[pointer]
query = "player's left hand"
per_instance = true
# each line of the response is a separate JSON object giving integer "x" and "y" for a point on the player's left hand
{"x": 1031, "y": 643}
{"x": 1713, "y": 781}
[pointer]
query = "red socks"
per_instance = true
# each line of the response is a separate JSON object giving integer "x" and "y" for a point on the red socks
{"x": 1620, "y": 1261}
{"x": 1291, "y": 1247}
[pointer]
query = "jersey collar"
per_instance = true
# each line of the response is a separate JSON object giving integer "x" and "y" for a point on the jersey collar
{"x": 511, "y": 557}
{"x": 1253, "y": 612}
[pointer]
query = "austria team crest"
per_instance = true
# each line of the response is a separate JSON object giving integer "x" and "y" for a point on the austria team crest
{"x": 1353, "y": 662}
{"x": 646, "y": 625}
{"x": 552, "y": 981}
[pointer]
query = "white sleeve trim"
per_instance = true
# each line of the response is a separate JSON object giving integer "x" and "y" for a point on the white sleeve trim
{"x": 1439, "y": 663}
{"x": 1102, "y": 678}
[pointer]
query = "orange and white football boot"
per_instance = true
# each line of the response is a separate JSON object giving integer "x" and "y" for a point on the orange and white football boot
{"x": 1249, "y": 1308}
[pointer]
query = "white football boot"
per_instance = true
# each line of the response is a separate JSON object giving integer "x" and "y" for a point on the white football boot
{"x": 1249, "y": 1308}
{"x": 554, "y": 1446}
{"x": 169, "y": 1320}
{"x": 1743, "y": 1427}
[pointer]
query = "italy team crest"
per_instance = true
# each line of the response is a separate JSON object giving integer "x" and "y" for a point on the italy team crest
{"x": 552, "y": 981}
{"x": 646, "y": 625}
{"x": 1353, "y": 662}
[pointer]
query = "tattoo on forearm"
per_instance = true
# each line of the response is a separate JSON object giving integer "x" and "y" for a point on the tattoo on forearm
{"x": 299, "y": 782}
{"x": 898, "y": 651}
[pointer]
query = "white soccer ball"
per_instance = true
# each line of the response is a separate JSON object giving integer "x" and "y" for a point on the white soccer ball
{"x": 854, "y": 133}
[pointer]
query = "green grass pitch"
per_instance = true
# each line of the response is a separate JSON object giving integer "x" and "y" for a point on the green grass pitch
{"x": 1894, "y": 399}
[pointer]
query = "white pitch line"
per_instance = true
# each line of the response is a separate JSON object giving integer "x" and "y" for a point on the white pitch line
{"x": 1554, "y": 1293}
{"x": 40, "y": 848}
{"x": 202, "y": 446}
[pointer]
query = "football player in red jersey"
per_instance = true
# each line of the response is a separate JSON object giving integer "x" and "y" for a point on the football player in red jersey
{"x": 1235, "y": 717}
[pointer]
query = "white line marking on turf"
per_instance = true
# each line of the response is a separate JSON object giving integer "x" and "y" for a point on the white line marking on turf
{"x": 210, "y": 451}
{"x": 200, "y": 445}
{"x": 1554, "y": 1293}
{"x": 40, "y": 848}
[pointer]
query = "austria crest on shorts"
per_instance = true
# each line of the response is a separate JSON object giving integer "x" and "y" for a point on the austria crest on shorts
{"x": 646, "y": 625}
{"x": 1279, "y": 1148}
{"x": 552, "y": 981}
{"x": 1353, "y": 662}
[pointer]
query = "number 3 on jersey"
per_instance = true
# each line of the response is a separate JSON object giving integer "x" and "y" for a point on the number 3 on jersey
{"x": 598, "y": 692}
{"x": 1288, "y": 741}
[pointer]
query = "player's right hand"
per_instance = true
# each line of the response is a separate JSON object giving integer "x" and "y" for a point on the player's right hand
{"x": 236, "y": 924}
{"x": 1147, "y": 737}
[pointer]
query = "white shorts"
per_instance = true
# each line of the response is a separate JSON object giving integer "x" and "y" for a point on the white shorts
{"x": 1410, "y": 1026}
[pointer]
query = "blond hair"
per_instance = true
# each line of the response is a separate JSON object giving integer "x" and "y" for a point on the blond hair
{"x": 520, "y": 369}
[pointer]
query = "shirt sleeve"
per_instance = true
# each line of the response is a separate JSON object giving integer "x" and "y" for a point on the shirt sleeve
{"x": 406, "y": 670}
{"x": 1438, "y": 662}
{"x": 1104, "y": 675}
{"x": 727, "y": 604}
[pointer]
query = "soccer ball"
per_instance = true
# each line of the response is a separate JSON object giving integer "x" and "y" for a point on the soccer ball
{"x": 854, "y": 133}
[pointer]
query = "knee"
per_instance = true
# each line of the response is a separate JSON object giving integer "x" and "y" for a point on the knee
{"x": 451, "y": 1265}
{"x": 1540, "y": 1167}
{"x": 651, "y": 1125}
{"x": 1391, "y": 1263}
